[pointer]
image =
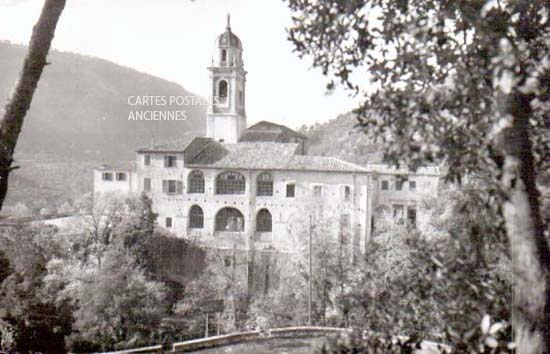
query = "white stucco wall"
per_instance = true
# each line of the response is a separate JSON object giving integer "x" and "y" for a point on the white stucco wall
{"x": 281, "y": 208}
{"x": 427, "y": 185}
{"x": 364, "y": 202}
{"x": 123, "y": 187}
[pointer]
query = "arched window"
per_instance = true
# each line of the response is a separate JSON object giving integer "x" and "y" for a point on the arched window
{"x": 264, "y": 185}
{"x": 263, "y": 221}
{"x": 230, "y": 183}
{"x": 223, "y": 91}
{"x": 229, "y": 219}
{"x": 195, "y": 182}
{"x": 196, "y": 217}
{"x": 224, "y": 55}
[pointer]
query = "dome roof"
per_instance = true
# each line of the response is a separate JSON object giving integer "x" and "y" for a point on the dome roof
{"x": 228, "y": 38}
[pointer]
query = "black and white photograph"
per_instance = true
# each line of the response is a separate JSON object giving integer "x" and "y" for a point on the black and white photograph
{"x": 275, "y": 176}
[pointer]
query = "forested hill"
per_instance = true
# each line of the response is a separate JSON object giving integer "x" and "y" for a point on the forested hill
{"x": 340, "y": 138}
{"x": 80, "y": 110}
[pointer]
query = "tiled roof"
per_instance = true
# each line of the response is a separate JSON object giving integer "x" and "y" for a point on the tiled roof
{"x": 178, "y": 145}
{"x": 118, "y": 166}
{"x": 267, "y": 156}
{"x": 269, "y": 131}
{"x": 251, "y": 136}
{"x": 195, "y": 147}
{"x": 390, "y": 169}
{"x": 322, "y": 163}
{"x": 257, "y": 155}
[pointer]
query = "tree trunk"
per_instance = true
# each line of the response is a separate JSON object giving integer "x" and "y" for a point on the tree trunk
{"x": 525, "y": 229}
{"x": 20, "y": 99}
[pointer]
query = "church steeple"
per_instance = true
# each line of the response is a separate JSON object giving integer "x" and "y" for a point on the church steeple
{"x": 226, "y": 117}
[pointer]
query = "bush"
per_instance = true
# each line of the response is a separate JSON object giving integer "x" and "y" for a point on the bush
{"x": 486, "y": 338}
{"x": 357, "y": 342}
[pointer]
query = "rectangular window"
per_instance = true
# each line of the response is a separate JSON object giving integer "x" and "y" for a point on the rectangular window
{"x": 146, "y": 184}
{"x": 411, "y": 216}
{"x": 385, "y": 185}
{"x": 398, "y": 185}
{"x": 107, "y": 176}
{"x": 412, "y": 185}
{"x": 170, "y": 161}
{"x": 398, "y": 213}
{"x": 317, "y": 191}
{"x": 172, "y": 187}
{"x": 344, "y": 222}
{"x": 146, "y": 160}
{"x": 121, "y": 176}
{"x": 264, "y": 185}
{"x": 168, "y": 222}
{"x": 347, "y": 193}
{"x": 227, "y": 261}
{"x": 290, "y": 190}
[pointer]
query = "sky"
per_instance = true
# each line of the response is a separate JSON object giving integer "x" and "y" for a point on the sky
{"x": 174, "y": 40}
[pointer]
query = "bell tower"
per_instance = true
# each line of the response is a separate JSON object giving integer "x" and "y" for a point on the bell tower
{"x": 226, "y": 117}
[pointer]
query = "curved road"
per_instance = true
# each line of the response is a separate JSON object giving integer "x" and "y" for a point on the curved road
{"x": 269, "y": 346}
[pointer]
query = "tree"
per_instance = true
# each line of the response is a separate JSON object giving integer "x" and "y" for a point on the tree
{"x": 286, "y": 303}
{"x": 331, "y": 272}
{"x": 6, "y": 331}
{"x": 432, "y": 282}
{"x": 21, "y": 97}
{"x": 30, "y": 317}
{"x": 118, "y": 307}
{"x": 318, "y": 220}
{"x": 460, "y": 82}
{"x": 108, "y": 277}
{"x": 138, "y": 231}
{"x": 5, "y": 266}
{"x": 130, "y": 219}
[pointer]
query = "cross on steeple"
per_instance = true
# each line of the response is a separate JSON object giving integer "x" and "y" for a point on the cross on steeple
{"x": 228, "y": 22}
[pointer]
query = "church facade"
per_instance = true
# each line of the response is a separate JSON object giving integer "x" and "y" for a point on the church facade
{"x": 253, "y": 188}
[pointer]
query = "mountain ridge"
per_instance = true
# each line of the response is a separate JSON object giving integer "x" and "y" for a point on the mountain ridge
{"x": 341, "y": 137}
{"x": 80, "y": 109}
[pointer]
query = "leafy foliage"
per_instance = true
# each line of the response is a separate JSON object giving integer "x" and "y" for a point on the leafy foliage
{"x": 431, "y": 66}
{"x": 117, "y": 302}
{"x": 438, "y": 282}
{"x": 5, "y": 267}
{"x": 118, "y": 307}
{"x": 463, "y": 83}
{"x": 285, "y": 302}
{"x": 368, "y": 342}
{"x": 30, "y": 318}
{"x": 223, "y": 279}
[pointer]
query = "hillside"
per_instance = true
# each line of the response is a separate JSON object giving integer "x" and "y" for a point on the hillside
{"x": 80, "y": 109}
{"x": 47, "y": 183}
{"x": 79, "y": 118}
{"x": 340, "y": 138}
